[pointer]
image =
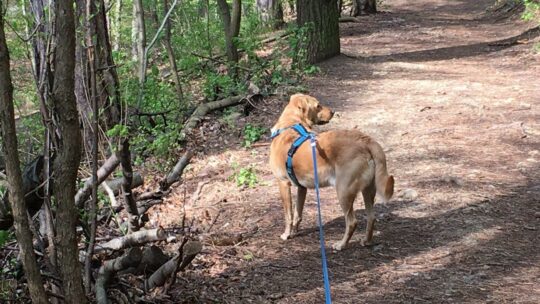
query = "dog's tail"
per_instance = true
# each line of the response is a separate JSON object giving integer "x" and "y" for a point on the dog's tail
{"x": 384, "y": 183}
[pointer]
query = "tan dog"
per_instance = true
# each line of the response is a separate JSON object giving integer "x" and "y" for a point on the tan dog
{"x": 348, "y": 160}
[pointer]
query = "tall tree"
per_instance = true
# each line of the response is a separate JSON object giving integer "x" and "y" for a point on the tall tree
{"x": 271, "y": 11}
{"x": 170, "y": 52}
{"x": 231, "y": 26}
{"x": 167, "y": 44}
{"x": 322, "y": 17}
{"x": 364, "y": 7}
{"x": 93, "y": 34}
{"x": 117, "y": 24}
{"x": 67, "y": 160}
{"x": 138, "y": 34}
{"x": 15, "y": 183}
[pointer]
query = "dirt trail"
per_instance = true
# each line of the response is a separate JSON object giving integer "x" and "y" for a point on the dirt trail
{"x": 452, "y": 93}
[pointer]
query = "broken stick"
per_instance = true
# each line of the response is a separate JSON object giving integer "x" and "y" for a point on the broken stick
{"x": 158, "y": 278}
{"x": 133, "y": 239}
{"x": 176, "y": 172}
{"x": 131, "y": 258}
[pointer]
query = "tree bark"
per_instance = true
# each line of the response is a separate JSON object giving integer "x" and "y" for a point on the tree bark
{"x": 68, "y": 156}
{"x": 231, "y": 26}
{"x": 14, "y": 176}
{"x": 322, "y": 17}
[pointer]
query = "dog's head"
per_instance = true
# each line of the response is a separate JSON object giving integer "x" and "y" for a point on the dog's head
{"x": 312, "y": 112}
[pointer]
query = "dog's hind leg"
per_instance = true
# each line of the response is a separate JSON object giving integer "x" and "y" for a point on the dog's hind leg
{"x": 346, "y": 200}
{"x": 285, "y": 191}
{"x": 369, "y": 199}
{"x": 298, "y": 209}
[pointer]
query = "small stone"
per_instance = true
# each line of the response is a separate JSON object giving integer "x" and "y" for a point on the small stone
{"x": 453, "y": 180}
{"x": 409, "y": 194}
{"x": 275, "y": 296}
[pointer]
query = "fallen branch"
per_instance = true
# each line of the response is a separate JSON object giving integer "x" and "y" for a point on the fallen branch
{"x": 133, "y": 239}
{"x": 116, "y": 184}
{"x": 146, "y": 205}
{"x": 205, "y": 108}
{"x": 152, "y": 259}
{"x": 159, "y": 277}
{"x": 106, "y": 169}
{"x": 142, "y": 208}
{"x": 110, "y": 193}
{"x": 197, "y": 193}
{"x": 176, "y": 172}
{"x": 276, "y": 37}
{"x": 221, "y": 61}
{"x": 177, "y": 266}
{"x": 110, "y": 268}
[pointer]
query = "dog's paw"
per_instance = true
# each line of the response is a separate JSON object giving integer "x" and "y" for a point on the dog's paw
{"x": 365, "y": 242}
{"x": 338, "y": 246}
{"x": 285, "y": 236}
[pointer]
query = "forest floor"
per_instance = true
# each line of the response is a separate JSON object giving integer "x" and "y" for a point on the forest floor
{"x": 451, "y": 90}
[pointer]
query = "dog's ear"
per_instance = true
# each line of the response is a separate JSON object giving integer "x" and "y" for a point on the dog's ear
{"x": 299, "y": 101}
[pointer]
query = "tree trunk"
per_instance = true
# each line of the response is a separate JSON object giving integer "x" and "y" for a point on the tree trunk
{"x": 139, "y": 29}
{"x": 129, "y": 200}
{"x": 117, "y": 25}
{"x": 170, "y": 53}
{"x": 276, "y": 14}
{"x": 107, "y": 83}
{"x": 364, "y": 7}
{"x": 271, "y": 12}
{"x": 14, "y": 176}
{"x": 167, "y": 45}
{"x": 323, "y": 37}
{"x": 231, "y": 26}
{"x": 68, "y": 155}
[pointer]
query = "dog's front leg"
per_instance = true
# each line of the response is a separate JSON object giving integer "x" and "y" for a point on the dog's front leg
{"x": 298, "y": 209}
{"x": 285, "y": 191}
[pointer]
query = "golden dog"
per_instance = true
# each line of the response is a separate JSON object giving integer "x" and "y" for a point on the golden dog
{"x": 348, "y": 160}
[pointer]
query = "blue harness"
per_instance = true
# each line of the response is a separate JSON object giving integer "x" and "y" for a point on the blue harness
{"x": 304, "y": 135}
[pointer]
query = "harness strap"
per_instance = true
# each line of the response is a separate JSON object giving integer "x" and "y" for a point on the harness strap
{"x": 304, "y": 135}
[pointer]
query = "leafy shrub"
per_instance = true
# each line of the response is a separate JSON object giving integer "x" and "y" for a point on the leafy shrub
{"x": 246, "y": 177}
{"x": 252, "y": 134}
{"x": 5, "y": 237}
{"x": 532, "y": 10}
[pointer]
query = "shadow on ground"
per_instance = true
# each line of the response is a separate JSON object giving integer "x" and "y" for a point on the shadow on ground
{"x": 462, "y": 255}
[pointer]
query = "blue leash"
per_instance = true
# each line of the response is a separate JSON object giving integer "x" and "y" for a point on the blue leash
{"x": 327, "y": 295}
{"x": 304, "y": 135}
